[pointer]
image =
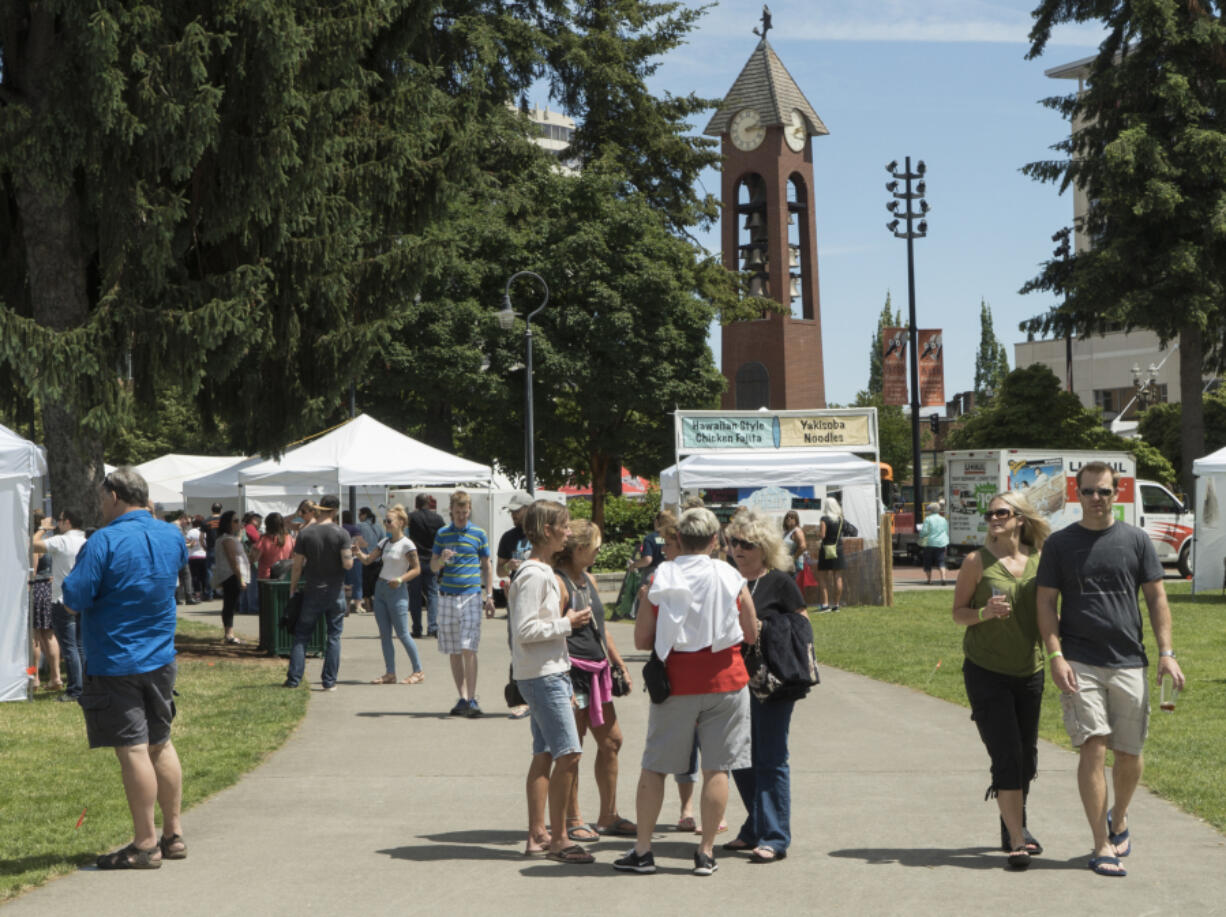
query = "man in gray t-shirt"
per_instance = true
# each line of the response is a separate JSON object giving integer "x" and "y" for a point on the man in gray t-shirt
{"x": 324, "y": 552}
{"x": 1095, "y": 646}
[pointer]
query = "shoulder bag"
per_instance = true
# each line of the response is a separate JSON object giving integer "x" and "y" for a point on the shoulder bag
{"x": 831, "y": 551}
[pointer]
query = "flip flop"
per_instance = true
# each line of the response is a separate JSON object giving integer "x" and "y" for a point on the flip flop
{"x": 621, "y": 827}
{"x": 519, "y": 714}
{"x": 1124, "y": 837}
{"x": 582, "y": 833}
{"x": 536, "y": 852}
{"x": 686, "y": 824}
{"x": 572, "y": 854}
{"x": 758, "y": 855}
{"x": 1100, "y": 864}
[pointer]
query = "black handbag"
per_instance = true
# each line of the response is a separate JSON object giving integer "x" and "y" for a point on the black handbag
{"x": 621, "y": 685}
{"x": 511, "y": 692}
{"x": 655, "y": 679}
{"x": 293, "y": 611}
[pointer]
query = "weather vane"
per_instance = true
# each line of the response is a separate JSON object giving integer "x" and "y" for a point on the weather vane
{"x": 766, "y": 22}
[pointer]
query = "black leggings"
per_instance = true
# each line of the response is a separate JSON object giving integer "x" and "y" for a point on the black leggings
{"x": 1006, "y": 710}
{"x": 200, "y": 575}
{"x": 229, "y": 601}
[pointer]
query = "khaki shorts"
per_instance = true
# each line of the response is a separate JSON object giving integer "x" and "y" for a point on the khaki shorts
{"x": 1108, "y": 702}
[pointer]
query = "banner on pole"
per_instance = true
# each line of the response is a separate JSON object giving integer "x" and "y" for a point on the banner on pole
{"x": 931, "y": 367}
{"x": 894, "y": 365}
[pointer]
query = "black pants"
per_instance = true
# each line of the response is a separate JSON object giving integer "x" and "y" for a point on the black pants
{"x": 229, "y": 601}
{"x": 1006, "y": 708}
{"x": 200, "y": 576}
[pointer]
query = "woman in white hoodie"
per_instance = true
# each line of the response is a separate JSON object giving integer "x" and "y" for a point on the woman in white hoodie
{"x": 695, "y": 617}
{"x": 540, "y": 666}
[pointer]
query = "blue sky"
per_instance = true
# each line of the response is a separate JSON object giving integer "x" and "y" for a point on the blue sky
{"x": 945, "y": 81}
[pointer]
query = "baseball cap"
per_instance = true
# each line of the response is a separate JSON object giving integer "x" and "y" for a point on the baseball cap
{"x": 328, "y": 501}
{"x": 519, "y": 500}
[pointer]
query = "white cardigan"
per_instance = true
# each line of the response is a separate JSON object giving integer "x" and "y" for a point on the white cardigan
{"x": 538, "y": 629}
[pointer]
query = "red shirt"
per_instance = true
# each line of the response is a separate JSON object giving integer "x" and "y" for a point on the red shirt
{"x": 705, "y": 672}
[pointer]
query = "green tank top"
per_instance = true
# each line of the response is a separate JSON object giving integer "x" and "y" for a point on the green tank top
{"x": 1009, "y": 645}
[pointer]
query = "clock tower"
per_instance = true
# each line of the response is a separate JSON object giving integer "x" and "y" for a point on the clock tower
{"x": 769, "y": 231}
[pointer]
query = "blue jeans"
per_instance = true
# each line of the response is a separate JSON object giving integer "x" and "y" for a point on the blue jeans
{"x": 392, "y": 613}
{"x": 314, "y": 604}
{"x": 553, "y": 717}
{"x": 424, "y": 585}
{"x": 250, "y": 602}
{"x": 68, "y": 631}
{"x": 765, "y": 788}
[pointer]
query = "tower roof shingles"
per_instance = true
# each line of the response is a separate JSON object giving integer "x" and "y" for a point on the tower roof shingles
{"x": 765, "y": 86}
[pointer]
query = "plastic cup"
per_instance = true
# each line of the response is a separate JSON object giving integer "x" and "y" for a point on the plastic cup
{"x": 1168, "y": 695}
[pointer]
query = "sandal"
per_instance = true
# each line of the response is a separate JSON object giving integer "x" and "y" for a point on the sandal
{"x": 582, "y": 832}
{"x": 386, "y": 679}
{"x": 173, "y": 847}
{"x": 1019, "y": 858}
{"x": 1123, "y": 837}
{"x": 572, "y": 854}
{"x": 232, "y": 640}
{"x": 621, "y": 827}
{"x": 415, "y": 679}
{"x": 131, "y": 857}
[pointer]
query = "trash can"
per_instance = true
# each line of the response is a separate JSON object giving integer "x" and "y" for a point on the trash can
{"x": 274, "y": 638}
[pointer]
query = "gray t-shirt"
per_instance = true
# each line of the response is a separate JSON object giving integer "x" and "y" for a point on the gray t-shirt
{"x": 321, "y": 545}
{"x": 1098, "y": 575}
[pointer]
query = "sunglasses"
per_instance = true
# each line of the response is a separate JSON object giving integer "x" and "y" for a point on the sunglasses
{"x": 1097, "y": 491}
{"x": 387, "y": 521}
{"x": 998, "y": 514}
{"x": 738, "y": 543}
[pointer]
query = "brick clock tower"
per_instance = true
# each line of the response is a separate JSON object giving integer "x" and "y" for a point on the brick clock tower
{"x": 769, "y": 231}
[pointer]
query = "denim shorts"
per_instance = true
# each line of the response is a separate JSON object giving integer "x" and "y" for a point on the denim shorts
{"x": 553, "y": 717}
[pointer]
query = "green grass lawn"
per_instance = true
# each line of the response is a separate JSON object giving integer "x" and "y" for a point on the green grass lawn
{"x": 917, "y": 644}
{"x": 232, "y": 713}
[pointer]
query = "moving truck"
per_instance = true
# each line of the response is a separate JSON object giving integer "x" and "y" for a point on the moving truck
{"x": 1048, "y": 477}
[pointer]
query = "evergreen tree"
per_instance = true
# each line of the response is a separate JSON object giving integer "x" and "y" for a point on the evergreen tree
{"x": 991, "y": 361}
{"x": 1148, "y": 153}
{"x": 887, "y": 319}
{"x": 231, "y": 194}
{"x": 893, "y": 427}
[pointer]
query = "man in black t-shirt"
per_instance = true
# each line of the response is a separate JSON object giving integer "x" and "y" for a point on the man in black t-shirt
{"x": 1096, "y": 651}
{"x": 324, "y": 553}
{"x": 424, "y": 524}
{"x": 210, "y": 531}
{"x": 514, "y": 547}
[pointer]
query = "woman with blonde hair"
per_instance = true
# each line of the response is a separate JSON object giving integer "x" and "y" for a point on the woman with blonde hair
{"x": 995, "y": 601}
{"x": 765, "y": 786}
{"x": 593, "y": 657}
{"x": 391, "y": 605}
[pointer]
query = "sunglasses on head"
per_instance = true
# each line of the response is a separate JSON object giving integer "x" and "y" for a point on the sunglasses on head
{"x": 740, "y": 543}
{"x": 999, "y": 514}
{"x": 1097, "y": 491}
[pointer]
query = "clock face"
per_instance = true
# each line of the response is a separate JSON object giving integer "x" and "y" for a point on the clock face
{"x": 746, "y": 130}
{"x": 796, "y": 133}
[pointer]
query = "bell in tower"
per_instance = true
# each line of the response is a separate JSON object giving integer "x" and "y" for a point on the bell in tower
{"x": 769, "y": 233}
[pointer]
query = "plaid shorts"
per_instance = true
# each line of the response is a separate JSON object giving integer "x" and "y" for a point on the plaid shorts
{"x": 459, "y": 622}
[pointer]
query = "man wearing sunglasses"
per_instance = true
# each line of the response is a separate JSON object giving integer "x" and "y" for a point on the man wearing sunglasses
{"x": 1097, "y": 655}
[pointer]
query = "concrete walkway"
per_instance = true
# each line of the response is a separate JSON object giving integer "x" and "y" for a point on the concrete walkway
{"x": 380, "y": 803}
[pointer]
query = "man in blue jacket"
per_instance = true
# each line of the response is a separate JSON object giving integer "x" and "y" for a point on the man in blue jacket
{"x": 123, "y": 587}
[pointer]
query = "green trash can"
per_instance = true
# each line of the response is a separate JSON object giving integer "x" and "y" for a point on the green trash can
{"x": 274, "y": 638}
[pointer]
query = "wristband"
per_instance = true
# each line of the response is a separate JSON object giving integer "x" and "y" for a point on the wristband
{"x": 1051, "y": 656}
{"x": 1168, "y": 653}
{"x": 980, "y": 614}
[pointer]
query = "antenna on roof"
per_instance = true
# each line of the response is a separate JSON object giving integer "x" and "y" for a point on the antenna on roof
{"x": 766, "y": 22}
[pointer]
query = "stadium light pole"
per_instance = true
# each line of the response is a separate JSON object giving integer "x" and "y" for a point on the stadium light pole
{"x": 506, "y": 321}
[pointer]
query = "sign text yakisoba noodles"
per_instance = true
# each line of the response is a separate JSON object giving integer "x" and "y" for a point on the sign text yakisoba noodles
{"x": 753, "y": 430}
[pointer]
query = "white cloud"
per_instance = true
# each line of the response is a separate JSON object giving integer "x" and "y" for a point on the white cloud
{"x": 893, "y": 21}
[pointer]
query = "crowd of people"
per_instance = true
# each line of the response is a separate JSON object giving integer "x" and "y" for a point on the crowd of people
{"x": 710, "y": 598}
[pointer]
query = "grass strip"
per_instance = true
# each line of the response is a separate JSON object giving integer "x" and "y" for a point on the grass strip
{"x": 231, "y": 713}
{"x": 916, "y": 644}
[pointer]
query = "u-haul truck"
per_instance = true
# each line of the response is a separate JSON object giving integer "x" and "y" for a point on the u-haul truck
{"x": 1049, "y": 480}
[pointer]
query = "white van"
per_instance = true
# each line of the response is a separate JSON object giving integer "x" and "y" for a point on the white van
{"x": 1169, "y": 524}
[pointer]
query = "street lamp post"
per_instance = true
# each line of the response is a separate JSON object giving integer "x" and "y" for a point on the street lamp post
{"x": 915, "y": 230}
{"x": 506, "y": 321}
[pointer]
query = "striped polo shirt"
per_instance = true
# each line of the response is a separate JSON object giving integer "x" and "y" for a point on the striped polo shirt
{"x": 462, "y": 574}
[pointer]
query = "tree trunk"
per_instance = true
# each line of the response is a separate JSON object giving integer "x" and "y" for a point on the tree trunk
{"x": 599, "y": 465}
{"x": 1192, "y": 426}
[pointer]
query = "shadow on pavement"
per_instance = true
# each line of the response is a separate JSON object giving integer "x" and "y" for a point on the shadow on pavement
{"x": 963, "y": 857}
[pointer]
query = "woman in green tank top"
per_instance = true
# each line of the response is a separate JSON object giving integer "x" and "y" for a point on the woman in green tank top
{"x": 994, "y": 600}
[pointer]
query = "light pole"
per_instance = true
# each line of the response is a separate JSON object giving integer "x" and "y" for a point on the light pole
{"x": 506, "y": 321}
{"x": 914, "y": 231}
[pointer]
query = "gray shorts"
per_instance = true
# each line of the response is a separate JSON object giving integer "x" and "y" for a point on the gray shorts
{"x": 720, "y": 721}
{"x": 1108, "y": 702}
{"x": 129, "y": 709}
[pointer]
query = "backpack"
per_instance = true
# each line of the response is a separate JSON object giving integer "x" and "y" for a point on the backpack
{"x": 782, "y": 664}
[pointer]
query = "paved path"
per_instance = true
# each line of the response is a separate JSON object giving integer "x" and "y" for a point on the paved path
{"x": 381, "y": 804}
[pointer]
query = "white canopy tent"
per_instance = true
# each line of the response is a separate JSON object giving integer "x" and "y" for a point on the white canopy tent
{"x": 858, "y": 478}
{"x": 362, "y": 453}
{"x": 21, "y": 464}
{"x": 166, "y": 475}
{"x": 1209, "y": 546}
